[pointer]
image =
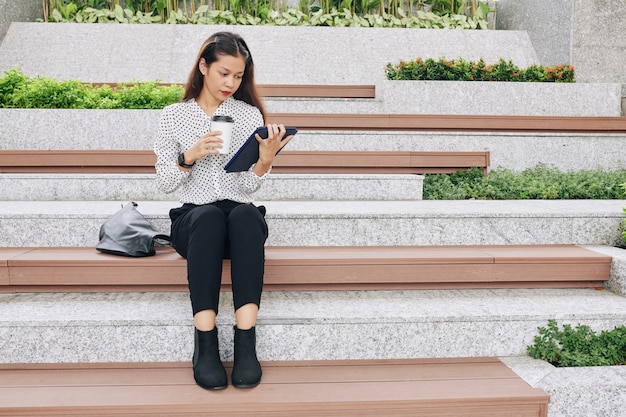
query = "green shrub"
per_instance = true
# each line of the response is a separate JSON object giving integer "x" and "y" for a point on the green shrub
{"x": 12, "y": 80}
{"x": 455, "y": 186}
{"x": 461, "y": 70}
{"x": 459, "y": 14}
{"x": 541, "y": 182}
{"x": 579, "y": 346}
{"x": 19, "y": 91}
{"x": 148, "y": 94}
{"x": 624, "y": 221}
{"x": 47, "y": 93}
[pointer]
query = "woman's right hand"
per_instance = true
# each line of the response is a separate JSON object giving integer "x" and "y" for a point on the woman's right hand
{"x": 208, "y": 144}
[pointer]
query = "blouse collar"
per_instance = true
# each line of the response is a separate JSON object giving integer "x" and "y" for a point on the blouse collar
{"x": 222, "y": 109}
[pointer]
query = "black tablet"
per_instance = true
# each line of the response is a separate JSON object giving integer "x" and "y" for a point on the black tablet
{"x": 248, "y": 154}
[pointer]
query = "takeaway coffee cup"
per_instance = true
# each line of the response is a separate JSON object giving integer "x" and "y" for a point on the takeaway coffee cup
{"x": 223, "y": 124}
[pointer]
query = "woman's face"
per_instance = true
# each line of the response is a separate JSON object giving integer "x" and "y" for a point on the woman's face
{"x": 222, "y": 78}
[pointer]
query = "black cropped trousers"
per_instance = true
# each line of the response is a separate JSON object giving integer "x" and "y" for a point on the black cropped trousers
{"x": 205, "y": 235}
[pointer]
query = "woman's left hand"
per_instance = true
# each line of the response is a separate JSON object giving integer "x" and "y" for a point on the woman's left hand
{"x": 268, "y": 148}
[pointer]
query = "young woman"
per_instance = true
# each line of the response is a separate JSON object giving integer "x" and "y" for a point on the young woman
{"x": 217, "y": 219}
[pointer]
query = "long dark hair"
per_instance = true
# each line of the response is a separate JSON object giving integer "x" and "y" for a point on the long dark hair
{"x": 225, "y": 43}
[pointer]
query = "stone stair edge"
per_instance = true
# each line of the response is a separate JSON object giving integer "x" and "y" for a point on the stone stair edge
{"x": 361, "y": 187}
{"x": 425, "y": 208}
{"x": 423, "y": 305}
{"x": 422, "y": 323}
{"x": 347, "y": 223}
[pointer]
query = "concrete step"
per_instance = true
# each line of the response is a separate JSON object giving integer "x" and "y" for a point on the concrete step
{"x": 137, "y": 129}
{"x": 456, "y": 97}
{"x": 102, "y": 187}
{"x": 346, "y": 223}
{"x": 172, "y": 49}
{"x": 146, "y": 327}
{"x": 327, "y": 105}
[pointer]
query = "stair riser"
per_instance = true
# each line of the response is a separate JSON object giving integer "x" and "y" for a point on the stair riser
{"x": 137, "y": 129}
{"x": 354, "y": 230}
{"x": 138, "y": 342}
{"x": 17, "y": 187}
{"x": 501, "y": 98}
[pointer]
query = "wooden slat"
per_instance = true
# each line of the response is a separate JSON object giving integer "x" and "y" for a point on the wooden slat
{"x": 538, "y": 253}
{"x": 143, "y": 161}
{"x": 451, "y": 123}
{"x": 14, "y": 289}
{"x": 439, "y": 387}
{"x": 551, "y": 271}
{"x": 450, "y": 159}
{"x": 317, "y": 91}
{"x": 299, "y": 90}
{"x": 283, "y": 372}
{"x": 5, "y": 255}
{"x": 343, "y": 158}
{"x": 77, "y": 158}
{"x": 329, "y": 268}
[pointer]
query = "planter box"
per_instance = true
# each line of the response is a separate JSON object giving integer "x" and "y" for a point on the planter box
{"x": 501, "y": 98}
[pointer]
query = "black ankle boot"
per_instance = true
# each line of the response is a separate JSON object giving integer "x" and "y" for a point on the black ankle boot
{"x": 247, "y": 369}
{"x": 208, "y": 370}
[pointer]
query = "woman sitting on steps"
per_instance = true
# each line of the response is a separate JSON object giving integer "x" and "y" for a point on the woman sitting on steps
{"x": 217, "y": 219}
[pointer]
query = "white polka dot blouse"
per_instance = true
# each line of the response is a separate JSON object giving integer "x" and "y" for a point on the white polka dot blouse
{"x": 180, "y": 127}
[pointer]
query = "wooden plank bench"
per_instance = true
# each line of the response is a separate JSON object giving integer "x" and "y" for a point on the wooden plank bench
{"x": 316, "y": 268}
{"x": 451, "y": 123}
{"x": 472, "y": 387}
{"x": 142, "y": 161}
{"x": 317, "y": 91}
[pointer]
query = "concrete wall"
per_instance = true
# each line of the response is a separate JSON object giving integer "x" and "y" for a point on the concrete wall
{"x": 599, "y": 40}
{"x": 548, "y": 23}
{"x": 18, "y": 11}
{"x": 591, "y": 34}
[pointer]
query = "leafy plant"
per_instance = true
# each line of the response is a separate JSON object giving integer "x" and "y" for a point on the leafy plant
{"x": 462, "y": 70}
{"x": 624, "y": 221}
{"x": 20, "y": 91}
{"x": 363, "y": 13}
{"x": 12, "y": 80}
{"x": 579, "y": 346}
{"x": 540, "y": 182}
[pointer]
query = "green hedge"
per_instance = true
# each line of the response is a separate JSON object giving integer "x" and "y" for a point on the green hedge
{"x": 20, "y": 91}
{"x": 461, "y": 70}
{"x": 541, "y": 182}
